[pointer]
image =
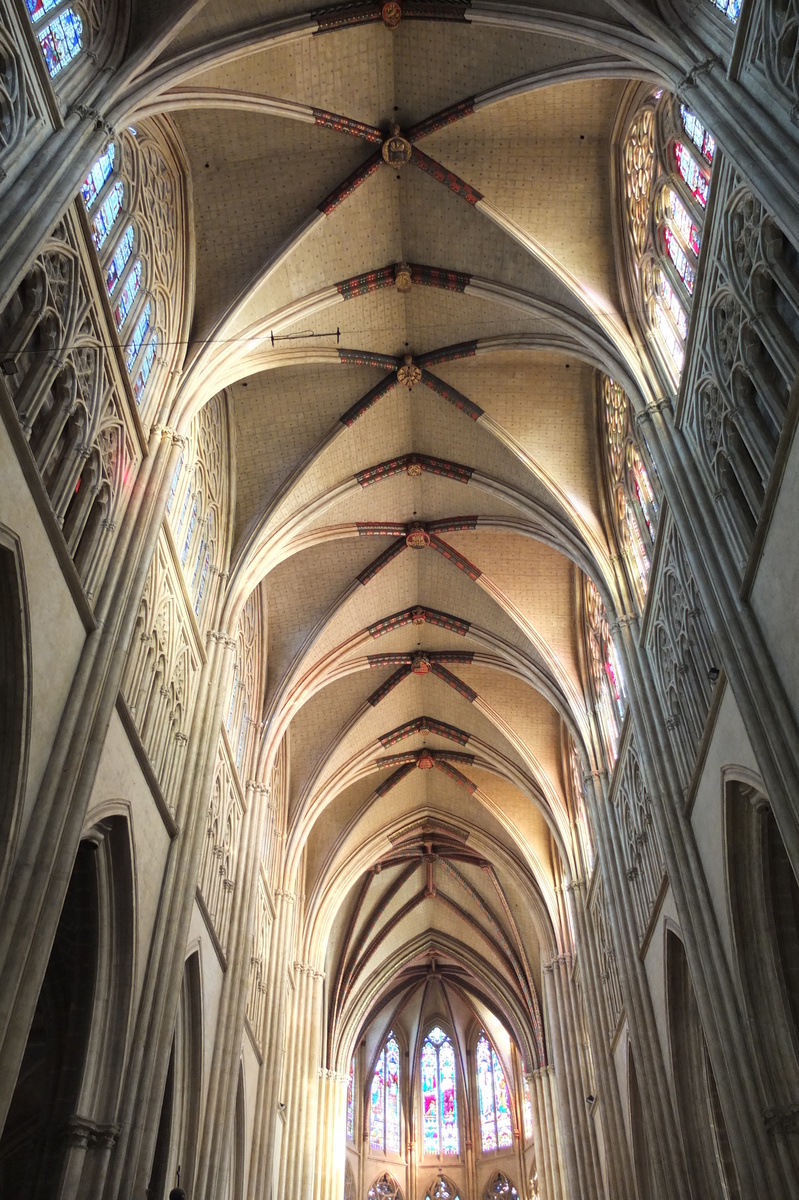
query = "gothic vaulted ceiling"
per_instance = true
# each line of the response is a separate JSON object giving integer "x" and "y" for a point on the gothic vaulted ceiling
{"x": 415, "y": 495}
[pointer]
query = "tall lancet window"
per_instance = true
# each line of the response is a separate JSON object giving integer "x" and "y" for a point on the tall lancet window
{"x": 351, "y": 1103}
{"x": 439, "y": 1095}
{"x": 496, "y": 1130}
{"x": 384, "y": 1119}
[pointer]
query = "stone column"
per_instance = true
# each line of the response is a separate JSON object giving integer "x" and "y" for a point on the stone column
{"x": 621, "y": 1181}
{"x": 551, "y": 1177}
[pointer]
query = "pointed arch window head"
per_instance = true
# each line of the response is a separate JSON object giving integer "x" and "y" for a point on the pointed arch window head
{"x": 384, "y": 1114}
{"x": 667, "y": 159}
{"x": 100, "y": 172}
{"x": 500, "y": 1185}
{"x": 351, "y": 1102}
{"x": 496, "y": 1130}
{"x": 384, "y": 1188}
{"x": 439, "y": 1095}
{"x": 442, "y": 1189}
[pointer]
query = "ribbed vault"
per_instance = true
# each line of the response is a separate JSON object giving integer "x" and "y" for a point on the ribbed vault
{"x": 410, "y": 337}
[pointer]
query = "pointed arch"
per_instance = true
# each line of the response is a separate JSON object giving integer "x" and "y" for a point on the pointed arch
{"x": 15, "y": 693}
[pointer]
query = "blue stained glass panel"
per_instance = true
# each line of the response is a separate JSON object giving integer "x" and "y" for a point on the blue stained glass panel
{"x": 92, "y": 185}
{"x": 128, "y": 295}
{"x": 139, "y": 334}
{"x": 109, "y": 210}
{"x": 118, "y": 262}
{"x": 680, "y": 260}
{"x": 38, "y": 8}
{"x": 61, "y": 40}
{"x": 701, "y": 137}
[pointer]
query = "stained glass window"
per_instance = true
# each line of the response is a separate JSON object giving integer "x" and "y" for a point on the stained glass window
{"x": 680, "y": 219}
{"x": 185, "y": 552}
{"x": 117, "y": 263}
{"x": 137, "y": 337}
{"x": 701, "y": 138}
{"x": 93, "y": 183}
{"x": 692, "y": 173}
{"x": 38, "y": 8}
{"x": 109, "y": 210}
{"x": 500, "y": 1185}
{"x": 175, "y": 478}
{"x": 439, "y": 1095}
{"x": 730, "y": 8}
{"x": 351, "y": 1102}
{"x": 201, "y": 588}
{"x": 494, "y": 1100}
{"x": 61, "y": 39}
{"x": 245, "y": 716}
{"x": 528, "y": 1110}
{"x": 384, "y": 1188}
{"x": 128, "y": 294}
{"x": 606, "y": 679}
{"x": 384, "y": 1114}
{"x": 680, "y": 260}
{"x": 145, "y": 368}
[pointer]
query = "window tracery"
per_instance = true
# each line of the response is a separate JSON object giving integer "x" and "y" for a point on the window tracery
{"x": 65, "y": 388}
{"x": 439, "y": 1095}
{"x": 605, "y": 682}
{"x": 385, "y": 1188}
{"x": 667, "y": 159}
{"x": 132, "y": 196}
{"x": 500, "y": 1185}
{"x": 682, "y": 652}
{"x": 243, "y": 713}
{"x": 442, "y": 1189}
{"x": 731, "y": 9}
{"x": 746, "y": 358}
{"x": 384, "y": 1111}
{"x": 256, "y": 996}
{"x": 496, "y": 1126}
{"x": 199, "y": 523}
{"x": 632, "y": 496}
{"x": 220, "y": 856}
{"x": 643, "y": 859}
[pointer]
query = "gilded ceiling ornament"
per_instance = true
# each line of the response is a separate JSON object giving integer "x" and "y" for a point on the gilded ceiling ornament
{"x": 409, "y": 373}
{"x": 417, "y": 537}
{"x": 418, "y": 616}
{"x": 414, "y": 470}
{"x": 425, "y": 761}
{"x": 402, "y": 277}
{"x": 420, "y": 665}
{"x": 391, "y": 13}
{"x": 396, "y": 148}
